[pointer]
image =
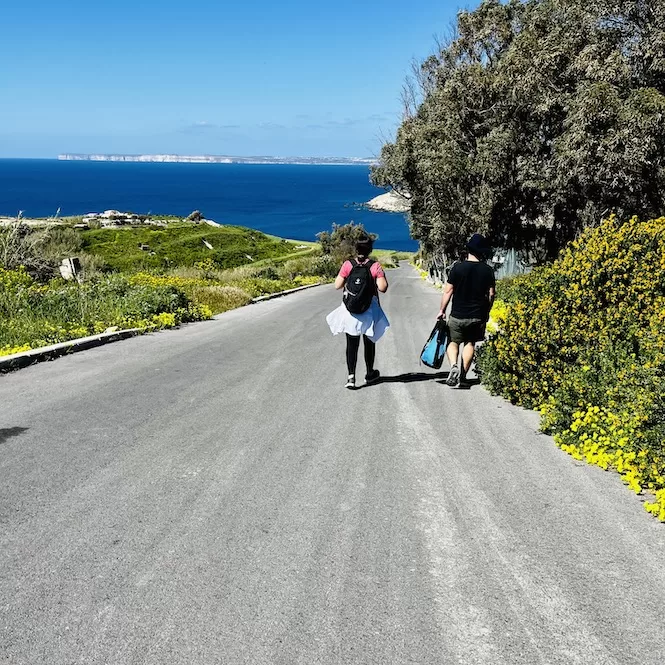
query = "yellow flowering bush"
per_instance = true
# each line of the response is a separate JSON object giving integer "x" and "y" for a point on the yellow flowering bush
{"x": 657, "y": 507}
{"x": 10, "y": 280}
{"x": 498, "y": 316}
{"x": 155, "y": 281}
{"x": 10, "y": 350}
{"x": 583, "y": 340}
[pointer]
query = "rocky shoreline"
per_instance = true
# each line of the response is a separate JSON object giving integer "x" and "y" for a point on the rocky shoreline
{"x": 389, "y": 202}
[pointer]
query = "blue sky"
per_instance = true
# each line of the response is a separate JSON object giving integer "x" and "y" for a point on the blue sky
{"x": 250, "y": 77}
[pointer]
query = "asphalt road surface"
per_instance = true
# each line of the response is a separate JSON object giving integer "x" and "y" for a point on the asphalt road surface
{"x": 214, "y": 495}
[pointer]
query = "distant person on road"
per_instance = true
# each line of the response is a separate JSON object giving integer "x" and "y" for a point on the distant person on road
{"x": 471, "y": 285}
{"x": 360, "y": 313}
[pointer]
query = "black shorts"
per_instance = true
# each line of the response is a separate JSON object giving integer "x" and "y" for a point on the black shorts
{"x": 465, "y": 331}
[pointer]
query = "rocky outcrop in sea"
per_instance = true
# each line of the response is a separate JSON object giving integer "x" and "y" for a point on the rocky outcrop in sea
{"x": 389, "y": 202}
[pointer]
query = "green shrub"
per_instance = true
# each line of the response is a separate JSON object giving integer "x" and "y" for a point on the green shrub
{"x": 20, "y": 247}
{"x": 92, "y": 265}
{"x": 341, "y": 242}
{"x": 55, "y": 243}
{"x": 310, "y": 266}
{"x": 267, "y": 272}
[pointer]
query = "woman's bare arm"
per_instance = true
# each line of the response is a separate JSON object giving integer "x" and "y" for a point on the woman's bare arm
{"x": 382, "y": 284}
{"x": 339, "y": 282}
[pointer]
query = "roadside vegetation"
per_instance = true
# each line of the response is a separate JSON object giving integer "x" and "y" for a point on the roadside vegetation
{"x": 33, "y": 314}
{"x": 583, "y": 341}
{"x": 147, "y": 277}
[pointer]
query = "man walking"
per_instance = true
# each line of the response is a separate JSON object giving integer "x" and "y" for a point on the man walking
{"x": 471, "y": 285}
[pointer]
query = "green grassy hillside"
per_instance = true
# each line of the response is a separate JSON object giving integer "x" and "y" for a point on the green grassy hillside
{"x": 183, "y": 245}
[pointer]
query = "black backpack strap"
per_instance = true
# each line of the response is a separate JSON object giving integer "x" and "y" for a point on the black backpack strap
{"x": 369, "y": 265}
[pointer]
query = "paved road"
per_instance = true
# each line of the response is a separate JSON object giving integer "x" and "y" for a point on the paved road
{"x": 214, "y": 495}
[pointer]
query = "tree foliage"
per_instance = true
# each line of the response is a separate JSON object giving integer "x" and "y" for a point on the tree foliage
{"x": 38, "y": 251}
{"x": 536, "y": 118}
{"x": 341, "y": 242}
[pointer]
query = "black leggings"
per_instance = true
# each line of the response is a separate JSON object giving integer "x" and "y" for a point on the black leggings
{"x": 352, "y": 346}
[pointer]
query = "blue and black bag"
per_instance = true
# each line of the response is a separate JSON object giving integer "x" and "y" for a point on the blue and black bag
{"x": 434, "y": 350}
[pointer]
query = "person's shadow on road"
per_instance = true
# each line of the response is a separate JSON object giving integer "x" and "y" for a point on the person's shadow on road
{"x": 416, "y": 377}
{"x": 468, "y": 384}
{"x": 409, "y": 377}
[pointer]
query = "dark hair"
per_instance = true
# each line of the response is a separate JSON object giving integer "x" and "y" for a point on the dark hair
{"x": 364, "y": 246}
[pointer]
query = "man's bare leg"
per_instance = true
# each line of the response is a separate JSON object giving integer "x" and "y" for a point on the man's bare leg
{"x": 467, "y": 357}
{"x": 452, "y": 352}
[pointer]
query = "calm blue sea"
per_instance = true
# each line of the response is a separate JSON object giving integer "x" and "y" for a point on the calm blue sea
{"x": 292, "y": 201}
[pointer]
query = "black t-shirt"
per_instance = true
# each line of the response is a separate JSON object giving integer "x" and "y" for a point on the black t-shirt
{"x": 471, "y": 281}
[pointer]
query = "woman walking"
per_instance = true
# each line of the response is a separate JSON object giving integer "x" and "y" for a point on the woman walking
{"x": 360, "y": 314}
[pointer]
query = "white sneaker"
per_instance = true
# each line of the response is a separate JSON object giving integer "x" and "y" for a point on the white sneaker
{"x": 351, "y": 382}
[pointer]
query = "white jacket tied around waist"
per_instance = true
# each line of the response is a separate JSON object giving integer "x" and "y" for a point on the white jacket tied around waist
{"x": 372, "y": 323}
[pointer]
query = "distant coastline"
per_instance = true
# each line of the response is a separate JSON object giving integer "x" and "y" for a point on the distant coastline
{"x": 218, "y": 159}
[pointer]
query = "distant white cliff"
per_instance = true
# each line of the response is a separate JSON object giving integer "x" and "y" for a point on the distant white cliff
{"x": 216, "y": 159}
{"x": 145, "y": 158}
